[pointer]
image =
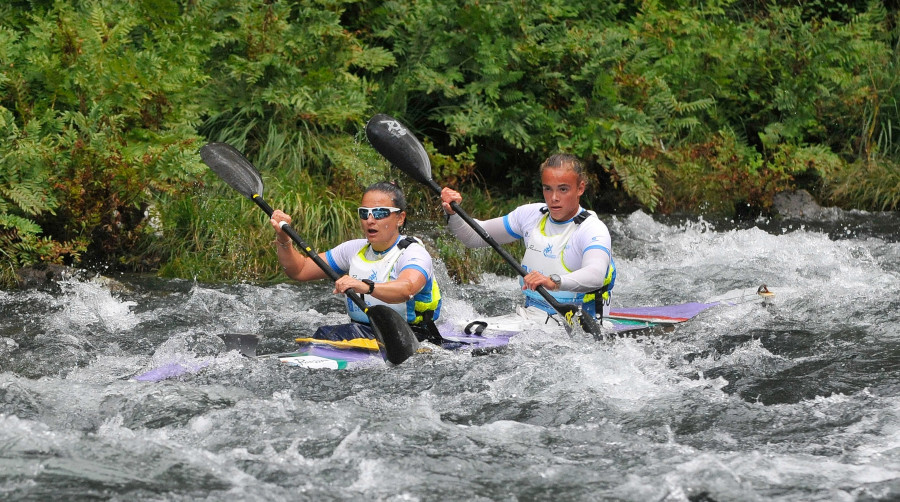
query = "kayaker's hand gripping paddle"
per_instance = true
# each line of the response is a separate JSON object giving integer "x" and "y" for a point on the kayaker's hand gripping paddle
{"x": 401, "y": 148}
{"x": 394, "y": 336}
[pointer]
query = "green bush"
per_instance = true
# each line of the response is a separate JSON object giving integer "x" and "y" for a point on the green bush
{"x": 636, "y": 93}
{"x": 675, "y": 105}
{"x": 97, "y": 110}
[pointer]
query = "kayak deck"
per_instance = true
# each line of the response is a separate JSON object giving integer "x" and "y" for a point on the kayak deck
{"x": 494, "y": 334}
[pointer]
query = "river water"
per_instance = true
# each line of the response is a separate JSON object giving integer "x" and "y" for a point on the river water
{"x": 796, "y": 400}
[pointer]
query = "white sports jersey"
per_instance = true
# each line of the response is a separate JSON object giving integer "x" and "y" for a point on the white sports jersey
{"x": 360, "y": 261}
{"x": 523, "y": 221}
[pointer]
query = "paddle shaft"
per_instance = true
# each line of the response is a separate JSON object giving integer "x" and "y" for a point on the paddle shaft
{"x": 354, "y": 297}
{"x": 503, "y": 252}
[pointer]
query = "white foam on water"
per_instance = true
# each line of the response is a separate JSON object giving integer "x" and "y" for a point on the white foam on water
{"x": 105, "y": 368}
{"x": 91, "y": 305}
{"x": 223, "y": 311}
{"x": 815, "y": 473}
{"x": 653, "y": 417}
{"x": 7, "y": 346}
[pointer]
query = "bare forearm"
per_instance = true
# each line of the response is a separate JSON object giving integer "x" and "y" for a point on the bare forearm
{"x": 297, "y": 265}
{"x": 401, "y": 289}
{"x": 397, "y": 291}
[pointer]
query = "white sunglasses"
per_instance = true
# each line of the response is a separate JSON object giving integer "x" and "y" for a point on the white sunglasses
{"x": 379, "y": 213}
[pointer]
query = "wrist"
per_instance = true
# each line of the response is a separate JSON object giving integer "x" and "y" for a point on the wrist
{"x": 371, "y": 285}
{"x": 557, "y": 282}
{"x": 285, "y": 244}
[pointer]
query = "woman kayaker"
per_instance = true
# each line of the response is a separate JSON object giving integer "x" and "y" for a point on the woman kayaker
{"x": 386, "y": 267}
{"x": 568, "y": 249}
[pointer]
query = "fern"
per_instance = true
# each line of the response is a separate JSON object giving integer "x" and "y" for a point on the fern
{"x": 29, "y": 196}
{"x": 21, "y": 226}
{"x": 637, "y": 177}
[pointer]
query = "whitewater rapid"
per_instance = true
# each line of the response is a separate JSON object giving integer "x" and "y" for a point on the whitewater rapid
{"x": 794, "y": 400}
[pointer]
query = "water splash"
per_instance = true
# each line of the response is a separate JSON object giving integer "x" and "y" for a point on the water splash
{"x": 796, "y": 400}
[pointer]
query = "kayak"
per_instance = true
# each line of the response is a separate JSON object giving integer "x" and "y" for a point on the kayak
{"x": 479, "y": 337}
{"x": 327, "y": 354}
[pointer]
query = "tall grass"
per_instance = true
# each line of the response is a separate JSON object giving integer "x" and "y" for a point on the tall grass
{"x": 867, "y": 185}
{"x": 215, "y": 234}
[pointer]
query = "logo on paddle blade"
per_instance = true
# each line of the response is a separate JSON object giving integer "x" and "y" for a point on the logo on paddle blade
{"x": 394, "y": 128}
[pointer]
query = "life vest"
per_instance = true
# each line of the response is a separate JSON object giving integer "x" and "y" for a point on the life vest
{"x": 424, "y": 305}
{"x": 544, "y": 253}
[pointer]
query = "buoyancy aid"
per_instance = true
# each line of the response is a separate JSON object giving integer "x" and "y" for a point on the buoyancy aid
{"x": 544, "y": 253}
{"x": 423, "y": 306}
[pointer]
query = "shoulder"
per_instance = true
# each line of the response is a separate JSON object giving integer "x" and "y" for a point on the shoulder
{"x": 594, "y": 224}
{"x": 339, "y": 257}
{"x": 593, "y": 231}
{"x": 416, "y": 250}
{"x": 348, "y": 248}
{"x": 527, "y": 213}
{"x": 416, "y": 256}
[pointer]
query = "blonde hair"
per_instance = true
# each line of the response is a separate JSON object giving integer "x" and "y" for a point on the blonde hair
{"x": 565, "y": 160}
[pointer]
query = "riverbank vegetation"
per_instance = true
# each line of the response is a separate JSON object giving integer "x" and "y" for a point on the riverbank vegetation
{"x": 710, "y": 106}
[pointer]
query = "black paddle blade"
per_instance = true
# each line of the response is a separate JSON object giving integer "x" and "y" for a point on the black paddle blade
{"x": 393, "y": 334}
{"x": 400, "y": 147}
{"x": 590, "y": 325}
{"x": 233, "y": 168}
{"x": 243, "y": 343}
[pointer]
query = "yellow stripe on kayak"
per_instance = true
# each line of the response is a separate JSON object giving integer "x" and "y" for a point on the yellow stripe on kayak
{"x": 356, "y": 343}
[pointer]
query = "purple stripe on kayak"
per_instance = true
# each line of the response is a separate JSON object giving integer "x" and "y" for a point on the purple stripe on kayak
{"x": 464, "y": 341}
{"x": 170, "y": 370}
{"x": 327, "y": 351}
{"x": 668, "y": 313}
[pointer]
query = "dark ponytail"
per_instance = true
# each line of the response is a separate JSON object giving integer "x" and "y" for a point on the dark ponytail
{"x": 392, "y": 188}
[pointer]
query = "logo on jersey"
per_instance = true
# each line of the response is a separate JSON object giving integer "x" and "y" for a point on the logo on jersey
{"x": 548, "y": 251}
{"x": 373, "y": 276}
{"x": 394, "y": 128}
